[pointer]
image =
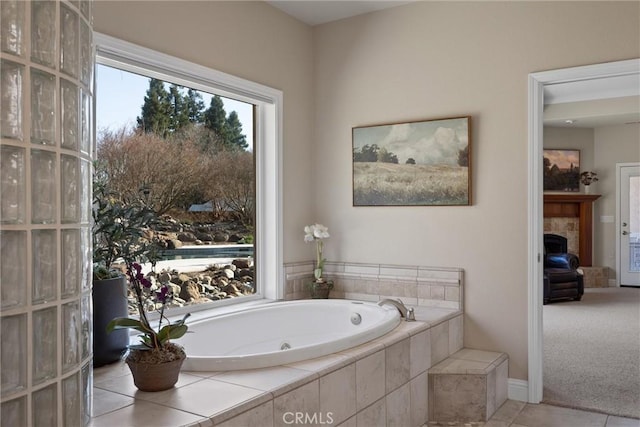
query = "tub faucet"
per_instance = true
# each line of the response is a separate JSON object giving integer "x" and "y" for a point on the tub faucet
{"x": 405, "y": 312}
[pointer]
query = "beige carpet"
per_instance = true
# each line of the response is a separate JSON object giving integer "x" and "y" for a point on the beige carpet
{"x": 592, "y": 352}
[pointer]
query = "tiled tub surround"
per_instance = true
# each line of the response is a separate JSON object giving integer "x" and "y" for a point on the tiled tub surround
{"x": 416, "y": 286}
{"x": 382, "y": 382}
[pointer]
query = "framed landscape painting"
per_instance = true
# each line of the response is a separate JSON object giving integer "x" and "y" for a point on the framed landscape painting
{"x": 425, "y": 163}
{"x": 561, "y": 170}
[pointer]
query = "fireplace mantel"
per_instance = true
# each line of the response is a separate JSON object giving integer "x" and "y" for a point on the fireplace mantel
{"x": 578, "y": 205}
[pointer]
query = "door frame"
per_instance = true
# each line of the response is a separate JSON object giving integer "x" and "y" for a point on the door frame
{"x": 619, "y": 167}
{"x": 537, "y": 83}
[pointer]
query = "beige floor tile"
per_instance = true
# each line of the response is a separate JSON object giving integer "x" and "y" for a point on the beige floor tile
{"x": 145, "y": 414}
{"x": 123, "y": 384}
{"x": 553, "y": 416}
{"x": 508, "y": 411}
{"x": 106, "y": 401}
{"x": 206, "y": 397}
{"x": 109, "y": 372}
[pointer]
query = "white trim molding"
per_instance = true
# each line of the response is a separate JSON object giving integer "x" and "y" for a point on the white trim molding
{"x": 537, "y": 84}
{"x": 518, "y": 390}
{"x": 268, "y": 132}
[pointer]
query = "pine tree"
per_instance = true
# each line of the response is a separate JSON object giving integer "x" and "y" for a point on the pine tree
{"x": 179, "y": 116}
{"x": 234, "y": 130}
{"x": 215, "y": 118}
{"x": 156, "y": 110}
{"x": 194, "y": 106}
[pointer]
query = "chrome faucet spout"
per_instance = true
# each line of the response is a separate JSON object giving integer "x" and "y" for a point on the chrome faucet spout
{"x": 405, "y": 312}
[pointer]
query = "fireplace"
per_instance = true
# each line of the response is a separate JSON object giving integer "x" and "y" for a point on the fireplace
{"x": 571, "y": 216}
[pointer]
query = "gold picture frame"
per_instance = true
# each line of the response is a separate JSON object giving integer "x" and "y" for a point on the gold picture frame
{"x": 420, "y": 163}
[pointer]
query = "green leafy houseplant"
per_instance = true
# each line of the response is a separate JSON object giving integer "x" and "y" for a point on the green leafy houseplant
{"x": 118, "y": 228}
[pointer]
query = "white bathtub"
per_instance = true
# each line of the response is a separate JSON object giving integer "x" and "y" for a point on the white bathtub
{"x": 283, "y": 332}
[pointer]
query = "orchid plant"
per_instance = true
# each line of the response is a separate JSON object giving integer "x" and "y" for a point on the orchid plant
{"x": 317, "y": 232}
{"x": 151, "y": 339}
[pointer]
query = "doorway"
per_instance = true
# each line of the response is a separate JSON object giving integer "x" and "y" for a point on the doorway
{"x": 604, "y": 81}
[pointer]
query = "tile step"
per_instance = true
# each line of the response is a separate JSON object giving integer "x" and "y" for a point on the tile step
{"x": 468, "y": 386}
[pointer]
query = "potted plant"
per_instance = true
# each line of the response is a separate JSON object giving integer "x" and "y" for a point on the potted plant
{"x": 320, "y": 286}
{"x": 155, "y": 362}
{"x": 118, "y": 233}
{"x": 587, "y": 178}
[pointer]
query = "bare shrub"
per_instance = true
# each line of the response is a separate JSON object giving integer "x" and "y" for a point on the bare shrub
{"x": 167, "y": 173}
{"x": 231, "y": 184}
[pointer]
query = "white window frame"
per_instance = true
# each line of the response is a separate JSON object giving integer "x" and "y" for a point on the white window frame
{"x": 268, "y": 118}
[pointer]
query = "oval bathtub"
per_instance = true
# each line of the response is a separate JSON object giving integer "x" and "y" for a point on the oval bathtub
{"x": 283, "y": 332}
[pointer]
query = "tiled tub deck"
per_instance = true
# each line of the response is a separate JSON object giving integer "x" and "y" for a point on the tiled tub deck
{"x": 382, "y": 382}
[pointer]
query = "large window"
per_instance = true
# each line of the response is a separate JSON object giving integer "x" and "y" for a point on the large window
{"x": 203, "y": 149}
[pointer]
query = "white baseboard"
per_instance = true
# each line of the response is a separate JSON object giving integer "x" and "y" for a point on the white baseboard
{"x": 518, "y": 390}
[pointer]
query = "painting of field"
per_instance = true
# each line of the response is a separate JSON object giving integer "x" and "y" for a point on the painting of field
{"x": 425, "y": 163}
{"x": 384, "y": 184}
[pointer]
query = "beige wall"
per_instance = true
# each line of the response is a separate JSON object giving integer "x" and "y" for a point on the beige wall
{"x": 423, "y": 60}
{"x": 251, "y": 40}
{"x": 443, "y": 59}
{"x": 613, "y": 144}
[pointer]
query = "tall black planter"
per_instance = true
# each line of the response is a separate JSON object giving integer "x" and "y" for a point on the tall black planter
{"x": 109, "y": 302}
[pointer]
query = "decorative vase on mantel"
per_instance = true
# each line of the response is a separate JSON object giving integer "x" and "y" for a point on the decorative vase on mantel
{"x": 587, "y": 189}
{"x": 320, "y": 288}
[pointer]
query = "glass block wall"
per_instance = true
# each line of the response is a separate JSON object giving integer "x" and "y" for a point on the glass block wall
{"x": 46, "y": 130}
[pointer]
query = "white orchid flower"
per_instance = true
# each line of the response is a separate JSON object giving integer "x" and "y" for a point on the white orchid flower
{"x": 317, "y": 232}
{"x": 320, "y": 232}
{"x": 308, "y": 234}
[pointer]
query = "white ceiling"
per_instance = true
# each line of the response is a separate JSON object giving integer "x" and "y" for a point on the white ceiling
{"x": 315, "y": 12}
{"x": 609, "y": 101}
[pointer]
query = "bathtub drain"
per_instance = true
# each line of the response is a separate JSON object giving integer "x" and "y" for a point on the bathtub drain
{"x": 285, "y": 346}
{"x": 356, "y": 319}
